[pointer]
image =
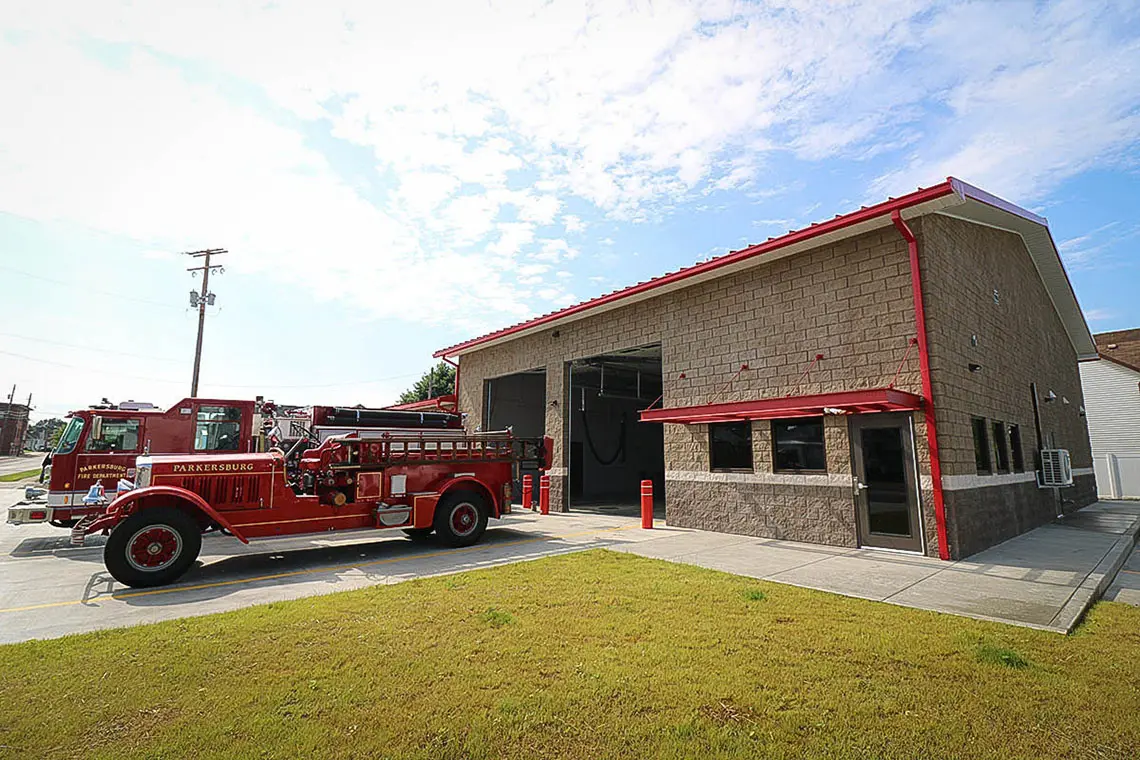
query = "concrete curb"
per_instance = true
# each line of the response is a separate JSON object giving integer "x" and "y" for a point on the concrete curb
{"x": 1097, "y": 582}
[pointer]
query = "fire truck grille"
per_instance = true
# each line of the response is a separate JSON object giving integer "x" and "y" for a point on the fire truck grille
{"x": 220, "y": 492}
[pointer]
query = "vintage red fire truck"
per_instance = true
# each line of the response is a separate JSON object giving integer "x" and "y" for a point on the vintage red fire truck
{"x": 441, "y": 480}
{"x": 99, "y": 445}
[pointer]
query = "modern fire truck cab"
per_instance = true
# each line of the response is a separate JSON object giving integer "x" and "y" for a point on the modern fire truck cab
{"x": 99, "y": 445}
{"x": 441, "y": 480}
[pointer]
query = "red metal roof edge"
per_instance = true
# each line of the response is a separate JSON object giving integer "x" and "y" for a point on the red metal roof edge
{"x": 428, "y": 403}
{"x": 922, "y": 195}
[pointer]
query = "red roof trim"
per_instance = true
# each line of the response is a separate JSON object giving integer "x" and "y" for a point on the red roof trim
{"x": 852, "y": 402}
{"x": 445, "y": 403}
{"x": 815, "y": 230}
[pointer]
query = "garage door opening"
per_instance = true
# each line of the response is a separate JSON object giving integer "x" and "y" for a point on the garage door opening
{"x": 611, "y": 452}
{"x": 518, "y": 402}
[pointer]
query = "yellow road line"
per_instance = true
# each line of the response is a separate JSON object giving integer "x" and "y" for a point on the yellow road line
{"x": 311, "y": 571}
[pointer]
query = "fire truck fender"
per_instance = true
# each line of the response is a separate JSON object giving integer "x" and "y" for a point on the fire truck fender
{"x": 191, "y": 500}
{"x": 469, "y": 483}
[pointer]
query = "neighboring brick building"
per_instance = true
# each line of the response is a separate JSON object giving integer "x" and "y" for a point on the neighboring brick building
{"x": 783, "y": 390}
{"x": 13, "y": 423}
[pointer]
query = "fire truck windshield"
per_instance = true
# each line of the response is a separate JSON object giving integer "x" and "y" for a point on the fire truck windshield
{"x": 70, "y": 436}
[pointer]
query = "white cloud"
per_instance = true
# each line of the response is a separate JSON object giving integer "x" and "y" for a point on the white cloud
{"x": 1100, "y": 315}
{"x": 573, "y": 224}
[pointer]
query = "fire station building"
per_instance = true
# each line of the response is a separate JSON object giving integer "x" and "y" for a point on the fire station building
{"x": 895, "y": 378}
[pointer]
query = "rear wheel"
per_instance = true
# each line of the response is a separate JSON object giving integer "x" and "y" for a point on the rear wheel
{"x": 418, "y": 535}
{"x": 152, "y": 547}
{"x": 460, "y": 518}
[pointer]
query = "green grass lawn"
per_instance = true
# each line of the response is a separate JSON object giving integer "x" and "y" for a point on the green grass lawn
{"x": 592, "y": 655}
{"x": 12, "y": 476}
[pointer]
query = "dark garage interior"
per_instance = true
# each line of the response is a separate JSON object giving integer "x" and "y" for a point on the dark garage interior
{"x": 610, "y": 451}
{"x": 518, "y": 402}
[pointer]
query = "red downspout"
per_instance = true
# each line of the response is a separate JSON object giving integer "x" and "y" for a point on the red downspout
{"x": 927, "y": 388}
{"x": 455, "y": 390}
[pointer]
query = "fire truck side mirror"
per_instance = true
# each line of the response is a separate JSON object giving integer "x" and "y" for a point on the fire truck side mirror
{"x": 96, "y": 427}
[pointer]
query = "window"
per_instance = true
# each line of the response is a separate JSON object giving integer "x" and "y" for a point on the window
{"x": 1001, "y": 447}
{"x": 116, "y": 435}
{"x": 981, "y": 447}
{"x": 219, "y": 428}
{"x": 730, "y": 446}
{"x": 1015, "y": 448}
{"x": 798, "y": 445}
{"x": 70, "y": 436}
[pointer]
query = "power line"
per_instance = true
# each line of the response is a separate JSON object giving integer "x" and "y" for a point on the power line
{"x": 117, "y": 295}
{"x": 88, "y": 348}
{"x": 217, "y": 385}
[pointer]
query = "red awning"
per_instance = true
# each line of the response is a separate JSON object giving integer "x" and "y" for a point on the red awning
{"x": 844, "y": 402}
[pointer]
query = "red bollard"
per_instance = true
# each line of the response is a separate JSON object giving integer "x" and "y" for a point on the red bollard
{"x": 544, "y": 494}
{"x": 647, "y": 503}
{"x": 528, "y": 493}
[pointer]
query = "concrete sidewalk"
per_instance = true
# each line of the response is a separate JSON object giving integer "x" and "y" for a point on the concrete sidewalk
{"x": 1044, "y": 579}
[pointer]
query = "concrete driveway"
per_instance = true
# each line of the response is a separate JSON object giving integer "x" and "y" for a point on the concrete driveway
{"x": 49, "y": 588}
{"x": 22, "y": 463}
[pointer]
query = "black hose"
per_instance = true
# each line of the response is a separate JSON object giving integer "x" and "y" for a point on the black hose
{"x": 594, "y": 450}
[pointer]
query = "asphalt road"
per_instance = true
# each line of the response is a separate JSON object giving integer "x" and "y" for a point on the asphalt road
{"x": 8, "y": 465}
{"x": 49, "y": 588}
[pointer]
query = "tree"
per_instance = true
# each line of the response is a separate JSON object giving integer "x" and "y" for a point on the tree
{"x": 48, "y": 431}
{"x": 436, "y": 382}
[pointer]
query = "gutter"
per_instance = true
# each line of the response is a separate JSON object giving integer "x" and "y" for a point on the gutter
{"x": 927, "y": 386}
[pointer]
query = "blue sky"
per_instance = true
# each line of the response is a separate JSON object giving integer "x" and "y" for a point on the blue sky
{"x": 390, "y": 180}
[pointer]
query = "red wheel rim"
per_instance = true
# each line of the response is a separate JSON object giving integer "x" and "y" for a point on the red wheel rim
{"x": 153, "y": 548}
{"x": 464, "y": 518}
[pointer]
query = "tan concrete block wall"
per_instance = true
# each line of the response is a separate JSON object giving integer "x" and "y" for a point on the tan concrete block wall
{"x": 850, "y": 301}
{"x": 1020, "y": 340}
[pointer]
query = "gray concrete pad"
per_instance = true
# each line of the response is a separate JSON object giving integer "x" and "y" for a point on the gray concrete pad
{"x": 861, "y": 574}
{"x": 1126, "y": 586}
{"x": 987, "y": 597}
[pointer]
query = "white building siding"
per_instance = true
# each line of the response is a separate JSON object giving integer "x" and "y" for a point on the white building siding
{"x": 1112, "y": 403}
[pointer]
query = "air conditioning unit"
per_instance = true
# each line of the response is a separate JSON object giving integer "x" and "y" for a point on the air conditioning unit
{"x": 1055, "y": 469}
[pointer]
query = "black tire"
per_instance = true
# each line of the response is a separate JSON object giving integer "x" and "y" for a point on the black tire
{"x": 419, "y": 535}
{"x": 64, "y": 523}
{"x": 175, "y": 534}
{"x": 460, "y": 518}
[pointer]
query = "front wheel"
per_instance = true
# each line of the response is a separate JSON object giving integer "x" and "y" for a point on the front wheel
{"x": 152, "y": 547}
{"x": 460, "y": 518}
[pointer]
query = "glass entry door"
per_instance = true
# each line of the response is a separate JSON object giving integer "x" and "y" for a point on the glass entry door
{"x": 886, "y": 497}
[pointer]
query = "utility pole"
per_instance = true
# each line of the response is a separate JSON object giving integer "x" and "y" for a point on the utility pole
{"x": 27, "y": 422}
{"x": 7, "y": 416}
{"x": 201, "y": 301}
